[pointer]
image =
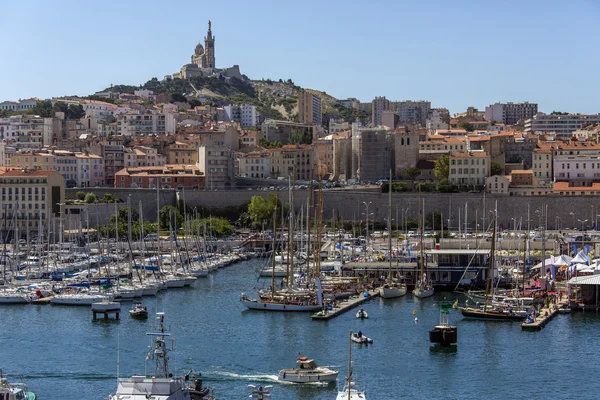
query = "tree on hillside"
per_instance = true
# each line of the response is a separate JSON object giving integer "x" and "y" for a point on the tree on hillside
{"x": 467, "y": 126}
{"x": 178, "y": 98}
{"x": 413, "y": 173}
{"x": 441, "y": 168}
{"x": 496, "y": 168}
{"x": 75, "y": 111}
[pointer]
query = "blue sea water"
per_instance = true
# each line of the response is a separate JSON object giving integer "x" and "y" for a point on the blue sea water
{"x": 64, "y": 355}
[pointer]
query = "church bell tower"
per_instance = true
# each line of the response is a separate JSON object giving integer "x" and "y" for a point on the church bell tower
{"x": 209, "y": 48}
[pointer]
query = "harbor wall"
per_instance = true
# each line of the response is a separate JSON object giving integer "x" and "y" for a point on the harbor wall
{"x": 562, "y": 212}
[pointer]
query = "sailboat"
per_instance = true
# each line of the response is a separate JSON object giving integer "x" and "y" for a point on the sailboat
{"x": 423, "y": 287}
{"x": 161, "y": 385}
{"x": 349, "y": 392}
{"x": 488, "y": 312}
{"x": 287, "y": 299}
{"x": 391, "y": 289}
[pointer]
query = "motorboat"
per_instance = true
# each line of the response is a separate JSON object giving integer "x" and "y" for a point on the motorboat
{"x": 139, "y": 311}
{"x": 161, "y": 385}
{"x": 307, "y": 371}
{"x": 14, "y": 391}
{"x": 360, "y": 338}
{"x": 362, "y": 314}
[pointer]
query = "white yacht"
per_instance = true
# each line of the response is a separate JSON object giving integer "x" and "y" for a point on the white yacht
{"x": 78, "y": 299}
{"x": 14, "y": 391}
{"x": 161, "y": 385}
{"x": 307, "y": 371}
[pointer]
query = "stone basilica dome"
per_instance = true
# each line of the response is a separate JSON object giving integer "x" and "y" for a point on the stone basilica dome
{"x": 199, "y": 50}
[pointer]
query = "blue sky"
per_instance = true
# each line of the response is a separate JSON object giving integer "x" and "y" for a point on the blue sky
{"x": 453, "y": 53}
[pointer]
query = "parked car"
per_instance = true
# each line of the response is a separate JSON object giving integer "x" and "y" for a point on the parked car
{"x": 151, "y": 237}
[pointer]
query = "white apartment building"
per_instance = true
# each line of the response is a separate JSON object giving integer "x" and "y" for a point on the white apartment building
{"x": 577, "y": 163}
{"x": 245, "y": 114}
{"x": 133, "y": 124}
{"x": 20, "y": 105}
{"x": 26, "y": 132}
{"x": 93, "y": 108}
{"x": 254, "y": 165}
{"x": 510, "y": 113}
{"x": 90, "y": 170}
{"x": 435, "y": 122}
{"x": 562, "y": 125}
{"x": 469, "y": 168}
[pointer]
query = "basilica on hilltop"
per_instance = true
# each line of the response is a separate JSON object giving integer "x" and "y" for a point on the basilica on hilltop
{"x": 203, "y": 62}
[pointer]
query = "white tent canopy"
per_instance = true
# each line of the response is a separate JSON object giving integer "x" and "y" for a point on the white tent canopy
{"x": 547, "y": 263}
{"x": 581, "y": 258}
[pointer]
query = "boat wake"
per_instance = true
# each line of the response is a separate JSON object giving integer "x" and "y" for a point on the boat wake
{"x": 232, "y": 376}
{"x": 70, "y": 376}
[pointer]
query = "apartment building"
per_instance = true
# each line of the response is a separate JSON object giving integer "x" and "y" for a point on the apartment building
{"x": 21, "y": 105}
{"x": 245, "y": 114}
{"x": 542, "y": 166}
{"x": 577, "y": 163}
{"x": 148, "y": 157}
{"x": 182, "y": 153}
{"x": 510, "y": 113}
{"x": 26, "y": 132}
{"x": 29, "y": 196}
{"x": 132, "y": 124}
{"x": 309, "y": 108}
{"x": 562, "y": 125}
{"x": 378, "y": 106}
{"x": 284, "y": 131}
{"x": 324, "y": 157}
{"x": 411, "y": 111}
{"x": 170, "y": 176}
{"x": 217, "y": 165}
{"x": 256, "y": 164}
{"x": 469, "y": 168}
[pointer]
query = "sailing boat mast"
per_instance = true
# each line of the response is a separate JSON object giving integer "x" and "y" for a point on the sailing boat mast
{"x": 488, "y": 282}
{"x": 350, "y": 366}
{"x": 274, "y": 243}
{"x": 390, "y": 228}
{"x": 421, "y": 223}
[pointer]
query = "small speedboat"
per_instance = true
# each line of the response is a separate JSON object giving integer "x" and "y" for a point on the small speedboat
{"x": 360, "y": 338}
{"x": 362, "y": 314}
{"x": 139, "y": 311}
{"x": 307, "y": 371}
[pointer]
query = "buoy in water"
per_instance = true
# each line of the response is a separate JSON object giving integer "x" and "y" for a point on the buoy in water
{"x": 415, "y": 313}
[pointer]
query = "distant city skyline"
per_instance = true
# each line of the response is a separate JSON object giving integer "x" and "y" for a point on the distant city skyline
{"x": 455, "y": 55}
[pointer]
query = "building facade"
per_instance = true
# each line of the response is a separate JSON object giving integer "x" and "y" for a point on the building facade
{"x": 30, "y": 196}
{"x": 170, "y": 176}
{"x": 510, "y": 113}
{"x": 254, "y": 165}
{"x": 469, "y": 169}
{"x": 309, "y": 108}
{"x": 245, "y": 114}
{"x": 217, "y": 165}
{"x": 378, "y": 106}
{"x": 562, "y": 125}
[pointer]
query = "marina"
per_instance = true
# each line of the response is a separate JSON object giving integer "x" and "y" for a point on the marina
{"x": 80, "y": 356}
{"x": 345, "y": 305}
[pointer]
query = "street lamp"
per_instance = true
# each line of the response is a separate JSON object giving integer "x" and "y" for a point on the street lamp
{"x": 582, "y": 222}
{"x": 557, "y": 222}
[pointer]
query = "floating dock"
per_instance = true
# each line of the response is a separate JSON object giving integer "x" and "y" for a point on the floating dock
{"x": 346, "y": 305}
{"x": 545, "y": 316}
{"x": 106, "y": 308}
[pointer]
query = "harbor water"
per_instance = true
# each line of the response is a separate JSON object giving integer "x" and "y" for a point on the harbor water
{"x": 63, "y": 355}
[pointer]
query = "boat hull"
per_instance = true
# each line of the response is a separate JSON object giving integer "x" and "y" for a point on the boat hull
{"x": 293, "y": 376}
{"x": 491, "y": 315}
{"x": 392, "y": 292}
{"x": 263, "y": 306}
{"x": 423, "y": 293}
